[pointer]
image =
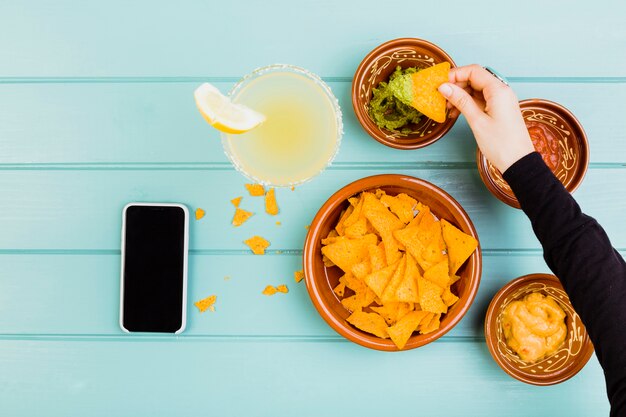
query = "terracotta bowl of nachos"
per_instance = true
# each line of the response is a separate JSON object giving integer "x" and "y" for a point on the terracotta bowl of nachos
{"x": 392, "y": 262}
{"x": 378, "y": 67}
{"x": 533, "y": 332}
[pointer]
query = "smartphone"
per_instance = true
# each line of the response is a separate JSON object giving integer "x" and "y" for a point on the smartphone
{"x": 153, "y": 288}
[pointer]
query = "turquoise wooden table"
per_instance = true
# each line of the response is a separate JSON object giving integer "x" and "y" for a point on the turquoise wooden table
{"x": 96, "y": 110}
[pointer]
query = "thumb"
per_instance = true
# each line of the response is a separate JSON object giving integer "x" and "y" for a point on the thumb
{"x": 462, "y": 101}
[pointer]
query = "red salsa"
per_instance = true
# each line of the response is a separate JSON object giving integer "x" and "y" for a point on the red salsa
{"x": 545, "y": 143}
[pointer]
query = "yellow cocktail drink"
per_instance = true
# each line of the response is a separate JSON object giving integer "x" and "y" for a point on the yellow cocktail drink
{"x": 301, "y": 134}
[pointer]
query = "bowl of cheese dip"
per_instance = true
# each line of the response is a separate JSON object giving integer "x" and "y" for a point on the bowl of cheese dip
{"x": 533, "y": 332}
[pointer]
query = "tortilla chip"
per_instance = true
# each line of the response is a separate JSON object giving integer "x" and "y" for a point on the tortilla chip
{"x": 200, "y": 213}
{"x": 282, "y": 288}
{"x": 384, "y": 222}
{"x": 378, "y": 280}
{"x": 370, "y": 323}
{"x": 206, "y": 303}
{"x": 410, "y": 238}
{"x": 407, "y": 289}
{"x": 377, "y": 256}
{"x": 433, "y": 239}
{"x": 460, "y": 245}
{"x": 379, "y": 193}
{"x": 432, "y": 325}
{"x": 388, "y": 311}
{"x": 400, "y": 205}
{"x": 362, "y": 269}
{"x": 403, "y": 309}
{"x": 430, "y": 296}
{"x": 298, "y": 276}
{"x": 424, "y": 318}
{"x": 438, "y": 274}
{"x": 453, "y": 279}
{"x": 340, "y": 289}
{"x": 449, "y": 299}
{"x": 389, "y": 293}
{"x": 345, "y": 252}
{"x": 362, "y": 298}
{"x": 356, "y": 213}
{"x": 358, "y": 228}
{"x": 426, "y": 98}
{"x": 236, "y": 201}
{"x": 331, "y": 240}
{"x": 342, "y": 219}
{"x": 270, "y": 290}
{"x": 255, "y": 190}
{"x": 271, "y": 207}
{"x": 257, "y": 244}
{"x": 427, "y": 317}
{"x": 422, "y": 210}
{"x": 352, "y": 303}
{"x": 403, "y": 329}
{"x": 354, "y": 283}
{"x": 425, "y": 244}
{"x": 327, "y": 262}
{"x": 408, "y": 198}
{"x": 241, "y": 216}
{"x": 392, "y": 248}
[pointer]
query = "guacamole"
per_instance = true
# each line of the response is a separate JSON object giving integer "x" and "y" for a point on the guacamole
{"x": 388, "y": 107}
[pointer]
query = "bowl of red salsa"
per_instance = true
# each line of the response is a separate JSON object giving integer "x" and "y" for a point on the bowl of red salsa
{"x": 560, "y": 139}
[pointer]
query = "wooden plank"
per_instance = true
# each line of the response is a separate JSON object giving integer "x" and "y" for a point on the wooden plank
{"x": 70, "y": 209}
{"x": 173, "y": 378}
{"x": 78, "y": 295}
{"x": 225, "y": 38}
{"x": 159, "y": 123}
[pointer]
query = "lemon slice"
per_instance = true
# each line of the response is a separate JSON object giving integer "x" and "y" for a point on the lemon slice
{"x": 224, "y": 115}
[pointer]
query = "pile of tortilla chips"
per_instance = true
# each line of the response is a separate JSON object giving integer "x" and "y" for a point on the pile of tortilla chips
{"x": 398, "y": 266}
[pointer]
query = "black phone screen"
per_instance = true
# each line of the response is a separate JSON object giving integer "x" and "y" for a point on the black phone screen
{"x": 153, "y": 269}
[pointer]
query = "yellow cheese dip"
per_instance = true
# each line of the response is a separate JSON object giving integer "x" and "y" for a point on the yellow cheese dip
{"x": 534, "y": 327}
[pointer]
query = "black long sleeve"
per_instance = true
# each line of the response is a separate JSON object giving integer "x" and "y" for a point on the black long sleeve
{"x": 579, "y": 252}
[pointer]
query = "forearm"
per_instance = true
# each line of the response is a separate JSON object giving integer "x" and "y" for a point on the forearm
{"x": 579, "y": 252}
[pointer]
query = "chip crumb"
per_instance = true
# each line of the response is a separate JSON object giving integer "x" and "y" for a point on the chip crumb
{"x": 200, "y": 213}
{"x": 227, "y": 278}
{"x": 241, "y": 216}
{"x": 298, "y": 275}
{"x": 278, "y": 223}
{"x": 206, "y": 303}
{"x": 271, "y": 206}
{"x": 255, "y": 190}
{"x": 257, "y": 244}
{"x": 307, "y": 227}
{"x": 293, "y": 188}
{"x": 270, "y": 290}
{"x": 236, "y": 201}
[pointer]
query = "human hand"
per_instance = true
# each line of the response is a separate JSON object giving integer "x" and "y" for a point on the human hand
{"x": 493, "y": 114}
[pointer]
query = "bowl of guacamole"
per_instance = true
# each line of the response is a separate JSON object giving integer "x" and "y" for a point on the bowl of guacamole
{"x": 386, "y": 107}
{"x": 380, "y": 103}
